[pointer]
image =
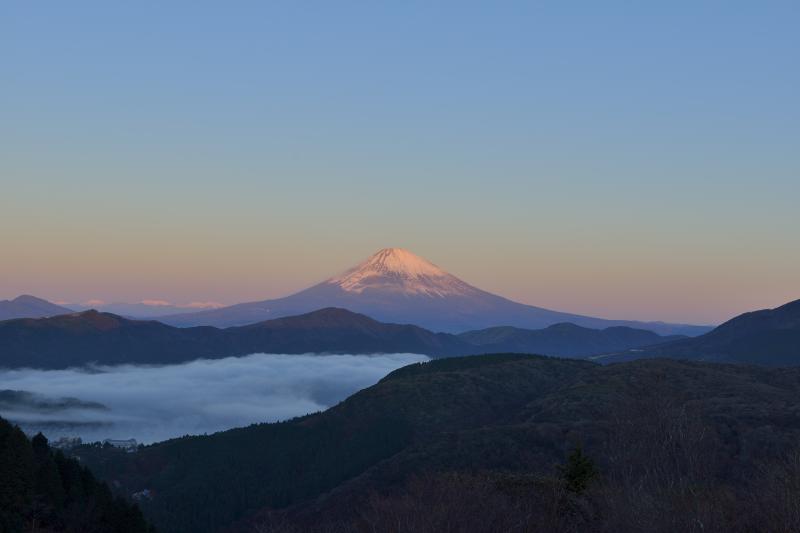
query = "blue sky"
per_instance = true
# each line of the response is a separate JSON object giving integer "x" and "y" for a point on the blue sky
{"x": 625, "y": 159}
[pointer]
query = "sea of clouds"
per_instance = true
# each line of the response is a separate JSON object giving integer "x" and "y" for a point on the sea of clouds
{"x": 154, "y": 403}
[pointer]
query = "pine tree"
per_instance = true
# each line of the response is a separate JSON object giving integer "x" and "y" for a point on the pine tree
{"x": 578, "y": 471}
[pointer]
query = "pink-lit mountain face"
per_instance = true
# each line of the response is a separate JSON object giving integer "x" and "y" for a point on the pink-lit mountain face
{"x": 398, "y": 271}
{"x": 395, "y": 285}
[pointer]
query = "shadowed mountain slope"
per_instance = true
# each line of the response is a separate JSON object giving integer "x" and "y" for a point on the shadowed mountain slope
{"x": 93, "y": 337}
{"x": 566, "y": 340}
{"x": 338, "y": 330}
{"x": 27, "y": 306}
{"x": 768, "y": 337}
{"x": 504, "y": 413}
{"x": 81, "y": 338}
{"x": 43, "y": 491}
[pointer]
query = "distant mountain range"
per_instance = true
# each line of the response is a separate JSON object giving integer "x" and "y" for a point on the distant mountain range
{"x": 394, "y": 285}
{"x": 768, "y": 337}
{"x": 27, "y": 306}
{"x": 144, "y": 309}
{"x": 93, "y": 337}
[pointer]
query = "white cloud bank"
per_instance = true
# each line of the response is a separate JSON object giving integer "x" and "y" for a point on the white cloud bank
{"x": 153, "y": 403}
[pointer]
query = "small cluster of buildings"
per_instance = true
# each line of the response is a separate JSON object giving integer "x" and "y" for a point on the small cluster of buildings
{"x": 129, "y": 445}
{"x": 66, "y": 443}
{"x": 142, "y": 495}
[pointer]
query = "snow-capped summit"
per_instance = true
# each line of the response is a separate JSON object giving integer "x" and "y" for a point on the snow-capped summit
{"x": 395, "y": 285}
{"x": 401, "y": 271}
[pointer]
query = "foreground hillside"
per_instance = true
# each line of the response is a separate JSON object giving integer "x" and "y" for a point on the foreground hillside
{"x": 41, "y": 490}
{"x": 678, "y": 446}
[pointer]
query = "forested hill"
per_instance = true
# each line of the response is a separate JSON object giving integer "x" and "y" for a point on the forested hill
{"x": 769, "y": 337}
{"x": 92, "y": 337}
{"x": 675, "y": 443}
{"x": 43, "y": 491}
{"x": 564, "y": 340}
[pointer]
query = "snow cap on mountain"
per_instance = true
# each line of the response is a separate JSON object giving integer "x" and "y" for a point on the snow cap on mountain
{"x": 398, "y": 270}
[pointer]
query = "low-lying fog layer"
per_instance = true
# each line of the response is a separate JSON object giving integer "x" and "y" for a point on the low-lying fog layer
{"x": 153, "y": 403}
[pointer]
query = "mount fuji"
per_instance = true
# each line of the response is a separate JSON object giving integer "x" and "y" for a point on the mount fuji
{"x": 395, "y": 285}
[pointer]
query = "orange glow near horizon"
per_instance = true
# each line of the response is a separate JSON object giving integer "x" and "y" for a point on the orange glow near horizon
{"x": 584, "y": 160}
{"x": 642, "y": 289}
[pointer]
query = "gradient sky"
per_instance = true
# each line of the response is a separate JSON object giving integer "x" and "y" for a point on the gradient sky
{"x": 621, "y": 159}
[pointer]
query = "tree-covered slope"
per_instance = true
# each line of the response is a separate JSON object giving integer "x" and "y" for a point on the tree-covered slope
{"x": 512, "y": 414}
{"x": 563, "y": 340}
{"x": 769, "y": 337}
{"x": 93, "y": 337}
{"x": 41, "y": 490}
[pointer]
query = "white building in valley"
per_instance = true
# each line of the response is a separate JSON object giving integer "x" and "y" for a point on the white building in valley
{"x": 129, "y": 445}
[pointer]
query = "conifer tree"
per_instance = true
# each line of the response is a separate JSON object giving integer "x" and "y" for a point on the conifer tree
{"x": 579, "y": 471}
